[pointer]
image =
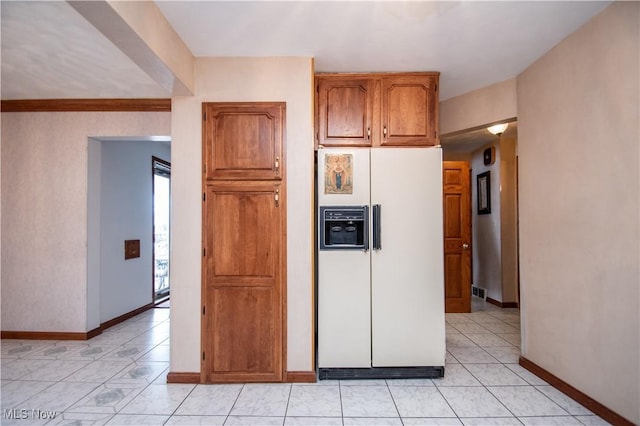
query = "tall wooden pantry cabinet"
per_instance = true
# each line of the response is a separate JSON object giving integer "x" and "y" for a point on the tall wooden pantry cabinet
{"x": 243, "y": 243}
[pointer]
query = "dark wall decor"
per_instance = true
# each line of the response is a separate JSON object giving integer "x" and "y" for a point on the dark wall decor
{"x": 489, "y": 156}
{"x": 484, "y": 192}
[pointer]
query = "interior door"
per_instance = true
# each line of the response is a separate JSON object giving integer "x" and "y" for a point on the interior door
{"x": 242, "y": 278}
{"x": 457, "y": 236}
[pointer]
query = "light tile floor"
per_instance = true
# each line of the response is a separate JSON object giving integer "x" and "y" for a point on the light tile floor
{"x": 119, "y": 378}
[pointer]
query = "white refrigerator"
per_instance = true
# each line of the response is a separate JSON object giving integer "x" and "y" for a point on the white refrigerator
{"x": 381, "y": 301}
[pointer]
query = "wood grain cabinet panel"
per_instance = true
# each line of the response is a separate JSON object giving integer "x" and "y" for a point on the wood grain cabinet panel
{"x": 345, "y": 111}
{"x": 248, "y": 140}
{"x": 391, "y": 109}
{"x": 409, "y": 111}
{"x": 246, "y": 325}
{"x": 243, "y": 282}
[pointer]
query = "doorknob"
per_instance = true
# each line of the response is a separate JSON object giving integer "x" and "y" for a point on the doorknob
{"x": 465, "y": 246}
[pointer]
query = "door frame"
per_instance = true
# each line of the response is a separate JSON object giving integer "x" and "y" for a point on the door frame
{"x": 163, "y": 164}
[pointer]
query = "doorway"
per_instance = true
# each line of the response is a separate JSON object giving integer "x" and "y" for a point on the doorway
{"x": 161, "y": 242}
{"x": 494, "y": 243}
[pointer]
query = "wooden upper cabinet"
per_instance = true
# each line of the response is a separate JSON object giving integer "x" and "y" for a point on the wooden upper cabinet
{"x": 409, "y": 110}
{"x": 345, "y": 111}
{"x": 243, "y": 141}
{"x": 391, "y": 109}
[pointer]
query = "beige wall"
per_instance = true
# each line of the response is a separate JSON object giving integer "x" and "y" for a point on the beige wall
{"x": 455, "y": 155}
{"x": 478, "y": 108}
{"x": 242, "y": 79}
{"x": 579, "y": 207}
{"x": 487, "y": 257}
{"x": 44, "y": 212}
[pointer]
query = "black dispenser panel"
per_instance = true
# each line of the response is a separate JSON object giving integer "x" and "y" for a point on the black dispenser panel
{"x": 344, "y": 228}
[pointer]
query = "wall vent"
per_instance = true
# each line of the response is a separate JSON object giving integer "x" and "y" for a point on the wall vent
{"x": 478, "y": 292}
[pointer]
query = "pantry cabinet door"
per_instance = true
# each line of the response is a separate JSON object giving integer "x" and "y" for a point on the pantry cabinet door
{"x": 243, "y": 290}
{"x": 243, "y": 140}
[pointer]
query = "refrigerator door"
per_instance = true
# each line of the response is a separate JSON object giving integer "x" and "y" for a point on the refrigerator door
{"x": 352, "y": 167}
{"x": 408, "y": 326}
{"x": 344, "y": 309}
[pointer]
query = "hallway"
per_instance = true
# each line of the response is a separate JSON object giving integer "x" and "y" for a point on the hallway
{"x": 119, "y": 378}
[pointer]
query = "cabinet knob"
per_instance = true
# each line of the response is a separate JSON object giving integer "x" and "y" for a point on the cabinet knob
{"x": 277, "y": 165}
{"x": 384, "y": 131}
{"x": 368, "y": 132}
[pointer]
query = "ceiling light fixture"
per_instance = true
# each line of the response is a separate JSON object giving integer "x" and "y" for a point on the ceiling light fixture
{"x": 498, "y": 129}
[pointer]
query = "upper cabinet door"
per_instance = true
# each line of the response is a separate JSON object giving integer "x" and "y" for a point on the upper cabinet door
{"x": 409, "y": 114}
{"x": 243, "y": 141}
{"x": 344, "y": 111}
{"x": 384, "y": 109}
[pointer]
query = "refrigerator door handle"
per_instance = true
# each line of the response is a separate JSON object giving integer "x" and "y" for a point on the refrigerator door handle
{"x": 377, "y": 210}
{"x": 366, "y": 229}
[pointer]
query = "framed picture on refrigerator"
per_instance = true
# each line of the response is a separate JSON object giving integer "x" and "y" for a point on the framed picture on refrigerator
{"x": 484, "y": 192}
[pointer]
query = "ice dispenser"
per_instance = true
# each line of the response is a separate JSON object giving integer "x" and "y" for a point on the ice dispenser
{"x": 344, "y": 228}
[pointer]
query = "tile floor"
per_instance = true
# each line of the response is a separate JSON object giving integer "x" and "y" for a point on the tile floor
{"x": 119, "y": 378}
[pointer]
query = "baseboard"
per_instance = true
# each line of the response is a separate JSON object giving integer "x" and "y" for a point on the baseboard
{"x": 300, "y": 377}
{"x": 584, "y": 399}
{"x": 124, "y": 317}
{"x": 176, "y": 377}
{"x": 43, "y": 335}
{"x": 56, "y": 335}
{"x": 502, "y": 304}
{"x": 93, "y": 333}
{"x": 290, "y": 377}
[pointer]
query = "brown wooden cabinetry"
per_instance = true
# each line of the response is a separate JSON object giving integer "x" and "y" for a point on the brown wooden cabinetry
{"x": 345, "y": 110}
{"x": 377, "y": 109}
{"x": 243, "y": 140}
{"x": 244, "y": 243}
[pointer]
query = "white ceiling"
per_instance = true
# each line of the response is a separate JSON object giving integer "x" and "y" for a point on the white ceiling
{"x": 473, "y": 44}
{"x": 50, "y": 51}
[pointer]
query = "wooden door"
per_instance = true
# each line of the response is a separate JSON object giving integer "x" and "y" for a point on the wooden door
{"x": 457, "y": 236}
{"x": 243, "y": 140}
{"x": 345, "y": 111}
{"x": 409, "y": 113}
{"x": 243, "y": 273}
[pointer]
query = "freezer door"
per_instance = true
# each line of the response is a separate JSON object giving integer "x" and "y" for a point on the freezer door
{"x": 343, "y": 177}
{"x": 344, "y": 276}
{"x": 344, "y": 309}
{"x": 407, "y": 272}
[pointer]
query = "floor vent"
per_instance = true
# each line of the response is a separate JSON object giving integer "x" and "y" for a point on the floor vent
{"x": 478, "y": 292}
